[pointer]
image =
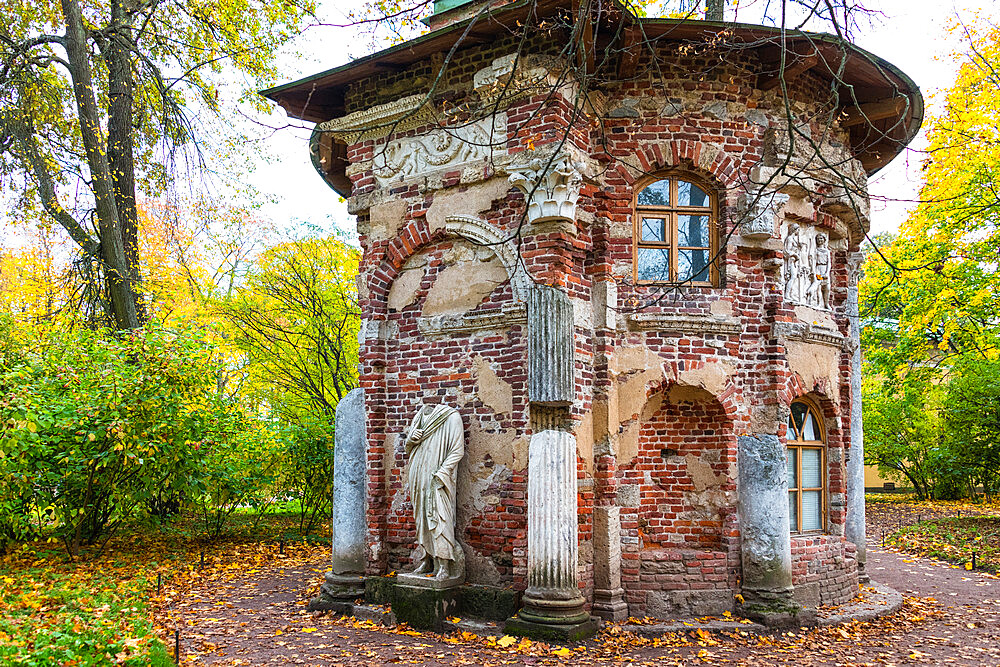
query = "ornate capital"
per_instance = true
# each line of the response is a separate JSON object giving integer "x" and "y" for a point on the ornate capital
{"x": 855, "y": 268}
{"x": 759, "y": 211}
{"x": 551, "y": 186}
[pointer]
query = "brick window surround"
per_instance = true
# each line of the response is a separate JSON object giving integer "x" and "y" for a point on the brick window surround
{"x": 674, "y": 235}
{"x": 806, "y": 466}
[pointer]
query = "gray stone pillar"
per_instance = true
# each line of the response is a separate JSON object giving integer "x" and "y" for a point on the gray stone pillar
{"x": 553, "y": 607}
{"x": 855, "y": 529}
{"x": 764, "y": 523}
{"x": 345, "y": 581}
{"x": 609, "y": 596}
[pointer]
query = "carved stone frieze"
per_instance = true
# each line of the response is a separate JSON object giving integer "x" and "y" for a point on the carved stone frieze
{"x": 466, "y": 323}
{"x": 806, "y": 270}
{"x": 809, "y": 333}
{"x": 551, "y": 186}
{"x": 441, "y": 149}
{"x": 683, "y": 323}
{"x": 855, "y": 268}
{"x": 381, "y": 120}
{"x": 483, "y": 233}
{"x": 758, "y": 212}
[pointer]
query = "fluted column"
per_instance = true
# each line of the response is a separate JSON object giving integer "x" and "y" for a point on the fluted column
{"x": 855, "y": 529}
{"x": 552, "y": 594}
{"x": 553, "y": 607}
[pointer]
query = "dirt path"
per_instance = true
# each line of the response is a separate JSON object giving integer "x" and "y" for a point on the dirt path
{"x": 261, "y": 620}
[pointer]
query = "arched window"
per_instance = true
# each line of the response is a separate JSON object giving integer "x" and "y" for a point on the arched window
{"x": 674, "y": 237}
{"x": 806, "y": 460}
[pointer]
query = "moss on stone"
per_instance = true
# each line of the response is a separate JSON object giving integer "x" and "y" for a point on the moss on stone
{"x": 488, "y": 602}
{"x": 424, "y": 608}
{"x": 379, "y": 590}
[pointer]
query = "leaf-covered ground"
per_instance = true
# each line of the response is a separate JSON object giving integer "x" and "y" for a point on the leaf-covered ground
{"x": 98, "y": 610}
{"x": 950, "y": 531}
{"x": 247, "y": 606}
{"x": 949, "y": 615}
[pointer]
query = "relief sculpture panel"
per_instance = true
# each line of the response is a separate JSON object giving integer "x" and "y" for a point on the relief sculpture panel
{"x": 806, "y": 269}
{"x": 446, "y": 147}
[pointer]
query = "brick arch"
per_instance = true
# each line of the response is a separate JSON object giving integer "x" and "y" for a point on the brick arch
{"x": 829, "y": 410}
{"x": 705, "y": 159}
{"x": 727, "y": 398}
{"x": 416, "y": 234}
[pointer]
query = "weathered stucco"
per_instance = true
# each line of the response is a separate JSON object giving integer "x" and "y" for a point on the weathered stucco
{"x": 490, "y": 389}
{"x": 817, "y": 365}
{"x": 711, "y": 377}
{"x": 471, "y": 200}
{"x": 463, "y": 286}
{"x": 404, "y": 289}
{"x": 585, "y": 441}
{"x": 386, "y": 219}
{"x": 701, "y": 473}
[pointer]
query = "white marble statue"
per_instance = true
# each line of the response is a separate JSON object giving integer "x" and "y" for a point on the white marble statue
{"x": 818, "y": 294}
{"x": 806, "y": 270}
{"x": 435, "y": 442}
{"x": 794, "y": 246}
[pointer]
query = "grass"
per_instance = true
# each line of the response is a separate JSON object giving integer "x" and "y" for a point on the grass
{"x": 99, "y": 609}
{"x": 954, "y": 539}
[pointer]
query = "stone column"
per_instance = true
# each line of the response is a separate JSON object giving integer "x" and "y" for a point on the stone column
{"x": 855, "y": 528}
{"x": 553, "y": 607}
{"x": 345, "y": 582}
{"x": 609, "y": 596}
{"x": 764, "y": 524}
{"x": 553, "y": 595}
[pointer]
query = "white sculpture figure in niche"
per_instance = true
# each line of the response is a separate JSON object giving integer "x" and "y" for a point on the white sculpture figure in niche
{"x": 819, "y": 288}
{"x": 435, "y": 443}
{"x": 794, "y": 249}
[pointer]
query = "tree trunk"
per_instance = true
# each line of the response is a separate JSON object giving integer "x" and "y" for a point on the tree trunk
{"x": 121, "y": 94}
{"x": 714, "y": 10}
{"x": 115, "y": 264}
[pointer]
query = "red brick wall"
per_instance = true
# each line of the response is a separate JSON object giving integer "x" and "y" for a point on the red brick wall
{"x": 667, "y": 544}
{"x": 830, "y": 562}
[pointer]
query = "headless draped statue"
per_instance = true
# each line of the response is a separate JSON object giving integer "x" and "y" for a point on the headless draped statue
{"x": 435, "y": 443}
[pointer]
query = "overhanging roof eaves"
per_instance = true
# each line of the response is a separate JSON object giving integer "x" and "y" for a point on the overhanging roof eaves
{"x": 319, "y": 97}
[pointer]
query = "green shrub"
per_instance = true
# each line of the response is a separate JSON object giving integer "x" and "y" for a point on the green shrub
{"x": 96, "y": 428}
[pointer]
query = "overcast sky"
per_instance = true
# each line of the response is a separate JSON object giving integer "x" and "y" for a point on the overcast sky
{"x": 912, "y": 35}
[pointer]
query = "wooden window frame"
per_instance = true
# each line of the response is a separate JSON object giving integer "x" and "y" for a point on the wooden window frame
{"x": 793, "y": 443}
{"x": 670, "y": 215}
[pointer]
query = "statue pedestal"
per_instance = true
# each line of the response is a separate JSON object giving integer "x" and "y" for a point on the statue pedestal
{"x": 425, "y": 605}
{"x": 425, "y": 581}
{"x": 339, "y": 593}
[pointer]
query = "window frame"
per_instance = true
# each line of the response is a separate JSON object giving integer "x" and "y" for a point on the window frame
{"x": 793, "y": 443}
{"x": 670, "y": 214}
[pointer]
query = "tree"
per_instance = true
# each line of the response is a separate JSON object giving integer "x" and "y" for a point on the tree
{"x": 296, "y": 321}
{"x": 931, "y": 300}
{"x": 95, "y": 100}
{"x": 972, "y": 415}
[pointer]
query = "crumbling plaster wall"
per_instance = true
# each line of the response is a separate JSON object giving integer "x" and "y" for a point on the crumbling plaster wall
{"x": 720, "y": 128}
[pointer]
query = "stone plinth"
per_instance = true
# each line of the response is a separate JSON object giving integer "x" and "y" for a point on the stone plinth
{"x": 609, "y": 600}
{"x": 424, "y": 607}
{"x": 345, "y": 582}
{"x": 553, "y": 606}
